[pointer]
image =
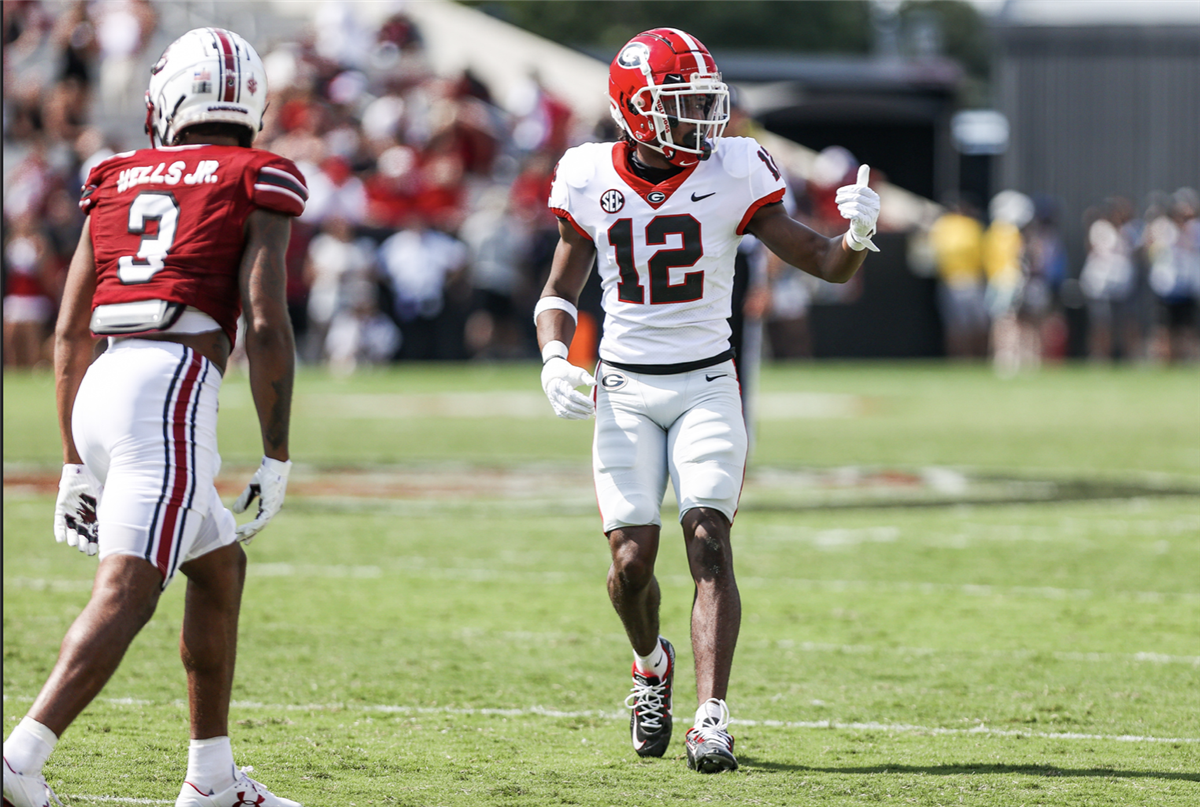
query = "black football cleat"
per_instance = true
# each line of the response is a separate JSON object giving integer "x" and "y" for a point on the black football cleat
{"x": 650, "y": 702}
{"x": 709, "y": 744}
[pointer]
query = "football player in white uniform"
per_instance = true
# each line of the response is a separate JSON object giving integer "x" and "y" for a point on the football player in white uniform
{"x": 662, "y": 213}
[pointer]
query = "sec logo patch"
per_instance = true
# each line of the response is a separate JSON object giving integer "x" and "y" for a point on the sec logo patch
{"x": 612, "y": 201}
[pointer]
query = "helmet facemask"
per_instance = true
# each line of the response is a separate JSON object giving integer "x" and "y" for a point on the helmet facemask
{"x": 702, "y": 102}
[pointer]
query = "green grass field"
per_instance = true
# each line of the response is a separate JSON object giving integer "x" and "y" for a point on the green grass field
{"x": 957, "y": 590}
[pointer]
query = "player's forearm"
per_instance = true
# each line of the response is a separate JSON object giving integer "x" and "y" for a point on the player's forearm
{"x": 840, "y": 262}
{"x": 74, "y": 348}
{"x": 72, "y": 357}
{"x": 272, "y": 355}
{"x": 556, "y": 315}
{"x": 555, "y": 326}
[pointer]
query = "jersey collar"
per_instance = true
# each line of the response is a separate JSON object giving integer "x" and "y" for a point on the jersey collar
{"x": 655, "y": 195}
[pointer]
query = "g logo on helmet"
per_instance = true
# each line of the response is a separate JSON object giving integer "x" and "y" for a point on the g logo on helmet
{"x": 633, "y": 54}
{"x": 612, "y": 201}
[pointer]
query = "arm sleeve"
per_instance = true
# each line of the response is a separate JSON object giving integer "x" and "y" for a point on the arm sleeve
{"x": 560, "y": 195}
{"x": 766, "y": 184}
{"x": 279, "y": 186}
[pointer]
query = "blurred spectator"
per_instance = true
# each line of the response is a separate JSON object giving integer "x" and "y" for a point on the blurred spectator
{"x": 1016, "y": 340}
{"x": 1046, "y": 256}
{"x": 499, "y": 242}
{"x": 957, "y": 242}
{"x": 359, "y": 333}
{"x": 420, "y": 263}
{"x": 1108, "y": 281}
{"x": 61, "y": 224}
{"x": 337, "y": 261}
{"x": 334, "y": 192}
{"x": 75, "y": 37}
{"x": 64, "y": 109}
{"x": 340, "y": 38}
{"x": 787, "y": 325}
{"x": 1173, "y": 246}
{"x": 28, "y": 285}
{"x": 123, "y": 30}
{"x": 543, "y": 119}
{"x": 30, "y": 182}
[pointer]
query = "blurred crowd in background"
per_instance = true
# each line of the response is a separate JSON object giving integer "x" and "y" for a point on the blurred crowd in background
{"x": 1005, "y": 283}
{"x": 427, "y": 235}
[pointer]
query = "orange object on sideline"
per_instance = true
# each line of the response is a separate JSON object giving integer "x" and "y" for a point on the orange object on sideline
{"x": 586, "y": 343}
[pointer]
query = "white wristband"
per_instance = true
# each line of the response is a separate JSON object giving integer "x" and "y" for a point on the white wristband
{"x": 557, "y": 303}
{"x": 554, "y": 350}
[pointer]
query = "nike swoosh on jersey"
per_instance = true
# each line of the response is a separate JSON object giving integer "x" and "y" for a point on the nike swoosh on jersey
{"x": 696, "y": 198}
{"x": 708, "y": 377}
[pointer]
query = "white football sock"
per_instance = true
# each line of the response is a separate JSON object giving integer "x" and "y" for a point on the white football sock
{"x": 210, "y": 764}
{"x": 709, "y": 710}
{"x": 29, "y": 746}
{"x": 655, "y": 663}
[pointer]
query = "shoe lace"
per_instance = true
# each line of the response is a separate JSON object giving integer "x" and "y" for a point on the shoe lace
{"x": 715, "y": 729}
{"x": 649, "y": 701}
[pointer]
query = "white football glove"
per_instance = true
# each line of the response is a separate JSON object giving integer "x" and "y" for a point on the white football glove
{"x": 268, "y": 486}
{"x": 860, "y": 204}
{"x": 75, "y": 511}
{"x": 559, "y": 380}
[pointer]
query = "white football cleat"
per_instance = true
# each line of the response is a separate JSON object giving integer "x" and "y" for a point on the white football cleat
{"x": 244, "y": 791}
{"x": 26, "y": 791}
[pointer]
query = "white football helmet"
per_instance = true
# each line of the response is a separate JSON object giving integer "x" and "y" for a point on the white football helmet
{"x": 207, "y": 75}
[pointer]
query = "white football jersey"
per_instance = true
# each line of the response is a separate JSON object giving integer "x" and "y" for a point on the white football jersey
{"x": 665, "y": 252}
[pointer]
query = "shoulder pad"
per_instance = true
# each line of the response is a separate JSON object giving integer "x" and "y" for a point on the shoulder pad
{"x": 578, "y": 164}
{"x": 735, "y": 154}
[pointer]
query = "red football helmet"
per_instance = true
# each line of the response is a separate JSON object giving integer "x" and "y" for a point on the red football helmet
{"x": 663, "y": 78}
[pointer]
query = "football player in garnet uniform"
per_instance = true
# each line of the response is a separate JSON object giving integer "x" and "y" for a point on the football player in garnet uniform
{"x": 662, "y": 212}
{"x": 178, "y": 239}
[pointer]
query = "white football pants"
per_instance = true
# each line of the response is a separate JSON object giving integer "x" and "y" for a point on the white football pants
{"x": 145, "y": 423}
{"x": 688, "y": 425}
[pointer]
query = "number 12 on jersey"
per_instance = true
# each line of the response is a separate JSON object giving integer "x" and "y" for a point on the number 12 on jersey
{"x": 660, "y": 264}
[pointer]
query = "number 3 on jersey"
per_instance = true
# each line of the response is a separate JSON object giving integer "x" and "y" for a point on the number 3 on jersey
{"x": 630, "y": 289}
{"x": 147, "y": 207}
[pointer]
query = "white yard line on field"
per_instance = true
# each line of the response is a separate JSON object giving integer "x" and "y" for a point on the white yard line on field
{"x": 300, "y": 570}
{"x": 541, "y": 711}
{"x": 115, "y": 799}
{"x": 526, "y": 405}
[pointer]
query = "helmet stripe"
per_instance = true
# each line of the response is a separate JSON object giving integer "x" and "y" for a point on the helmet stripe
{"x": 694, "y": 48}
{"x": 228, "y": 63}
{"x": 220, "y": 62}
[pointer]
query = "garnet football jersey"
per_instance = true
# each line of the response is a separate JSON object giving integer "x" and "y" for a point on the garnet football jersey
{"x": 665, "y": 252}
{"x": 168, "y": 223}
